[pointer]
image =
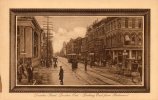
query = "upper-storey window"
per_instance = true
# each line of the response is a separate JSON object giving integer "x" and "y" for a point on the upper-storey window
{"x": 126, "y": 23}
{"x": 139, "y": 39}
{"x": 139, "y": 23}
{"x": 133, "y": 22}
{"x": 118, "y": 23}
{"x": 114, "y": 25}
{"x": 133, "y": 38}
{"x": 35, "y": 44}
{"x": 126, "y": 39}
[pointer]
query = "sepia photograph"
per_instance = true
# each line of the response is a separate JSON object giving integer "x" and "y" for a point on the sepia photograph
{"x": 79, "y": 50}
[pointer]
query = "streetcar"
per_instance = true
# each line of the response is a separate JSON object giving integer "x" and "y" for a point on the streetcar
{"x": 71, "y": 57}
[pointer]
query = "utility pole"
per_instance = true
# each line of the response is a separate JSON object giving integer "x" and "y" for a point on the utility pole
{"x": 48, "y": 40}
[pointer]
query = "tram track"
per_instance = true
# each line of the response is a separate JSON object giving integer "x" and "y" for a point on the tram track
{"x": 90, "y": 76}
{"x": 76, "y": 74}
{"x": 116, "y": 80}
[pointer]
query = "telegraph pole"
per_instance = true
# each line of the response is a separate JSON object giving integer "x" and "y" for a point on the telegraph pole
{"x": 47, "y": 41}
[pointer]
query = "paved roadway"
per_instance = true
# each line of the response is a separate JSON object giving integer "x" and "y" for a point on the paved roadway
{"x": 93, "y": 76}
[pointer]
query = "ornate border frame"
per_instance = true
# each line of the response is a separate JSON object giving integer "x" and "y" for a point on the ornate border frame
{"x": 79, "y": 12}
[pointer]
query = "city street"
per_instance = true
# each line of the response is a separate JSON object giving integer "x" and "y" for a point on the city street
{"x": 96, "y": 45}
{"x": 93, "y": 76}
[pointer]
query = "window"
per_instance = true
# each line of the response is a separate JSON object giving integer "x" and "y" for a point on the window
{"x": 126, "y": 23}
{"x": 139, "y": 38}
{"x": 126, "y": 39}
{"x": 139, "y": 23}
{"x": 118, "y": 23}
{"x": 114, "y": 25}
{"x": 133, "y": 23}
{"x": 35, "y": 49}
{"x": 133, "y": 38}
{"x": 134, "y": 54}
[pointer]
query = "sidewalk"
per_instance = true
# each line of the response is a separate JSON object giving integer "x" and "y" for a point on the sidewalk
{"x": 36, "y": 77}
{"x": 41, "y": 75}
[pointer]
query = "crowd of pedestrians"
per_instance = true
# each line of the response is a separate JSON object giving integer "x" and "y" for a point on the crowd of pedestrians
{"x": 25, "y": 71}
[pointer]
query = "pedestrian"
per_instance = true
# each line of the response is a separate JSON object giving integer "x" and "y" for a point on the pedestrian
{"x": 85, "y": 63}
{"x": 23, "y": 70}
{"x": 140, "y": 71}
{"x": 55, "y": 60}
{"x": 104, "y": 62}
{"x": 61, "y": 75}
{"x": 19, "y": 72}
{"x": 30, "y": 73}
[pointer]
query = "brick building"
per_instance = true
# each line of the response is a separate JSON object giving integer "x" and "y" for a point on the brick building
{"x": 95, "y": 34}
{"x": 124, "y": 39}
{"x": 118, "y": 40}
{"x": 84, "y": 49}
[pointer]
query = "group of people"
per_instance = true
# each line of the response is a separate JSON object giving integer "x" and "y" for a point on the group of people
{"x": 25, "y": 71}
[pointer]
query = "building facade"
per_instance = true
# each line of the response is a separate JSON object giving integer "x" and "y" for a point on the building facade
{"x": 28, "y": 40}
{"x": 114, "y": 40}
{"x": 124, "y": 41}
{"x": 95, "y": 42}
{"x": 84, "y": 49}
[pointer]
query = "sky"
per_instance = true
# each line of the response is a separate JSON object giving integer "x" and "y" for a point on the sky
{"x": 66, "y": 27}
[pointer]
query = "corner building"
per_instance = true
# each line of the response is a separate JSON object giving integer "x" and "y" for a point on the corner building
{"x": 28, "y": 40}
{"x": 124, "y": 41}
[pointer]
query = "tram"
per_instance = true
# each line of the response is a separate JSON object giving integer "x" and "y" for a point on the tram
{"x": 71, "y": 57}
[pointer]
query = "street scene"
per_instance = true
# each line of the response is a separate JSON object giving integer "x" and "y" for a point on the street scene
{"x": 79, "y": 50}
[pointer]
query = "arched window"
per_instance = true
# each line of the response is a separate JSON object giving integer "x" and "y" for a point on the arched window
{"x": 126, "y": 23}
{"x": 133, "y": 38}
{"x": 139, "y": 39}
{"x": 126, "y": 39}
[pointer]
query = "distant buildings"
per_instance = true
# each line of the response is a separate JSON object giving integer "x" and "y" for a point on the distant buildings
{"x": 118, "y": 40}
{"x": 63, "y": 50}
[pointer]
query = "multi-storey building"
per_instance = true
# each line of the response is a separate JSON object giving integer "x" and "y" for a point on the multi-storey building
{"x": 63, "y": 50}
{"x": 116, "y": 39}
{"x": 28, "y": 40}
{"x": 70, "y": 47}
{"x": 73, "y": 48}
{"x": 84, "y": 49}
{"x": 124, "y": 39}
{"x": 96, "y": 34}
{"x": 77, "y": 47}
